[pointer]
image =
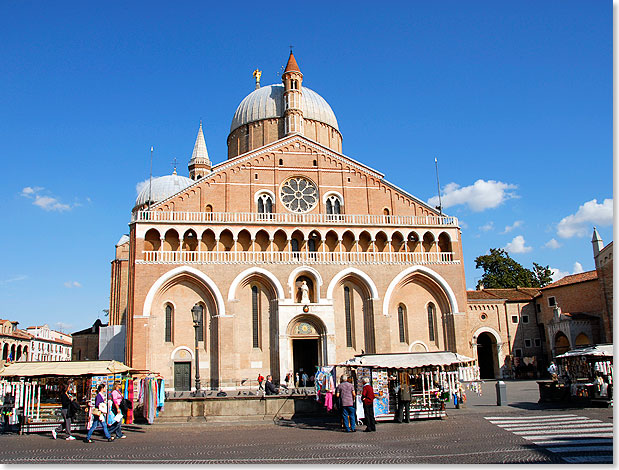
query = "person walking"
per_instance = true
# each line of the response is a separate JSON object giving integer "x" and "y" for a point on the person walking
{"x": 367, "y": 397}
{"x": 270, "y": 387}
{"x": 99, "y": 413}
{"x": 296, "y": 380}
{"x": 346, "y": 393}
{"x": 287, "y": 379}
{"x": 304, "y": 378}
{"x": 260, "y": 380}
{"x": 66, "y": 400}
{"x": 117, "y": 399}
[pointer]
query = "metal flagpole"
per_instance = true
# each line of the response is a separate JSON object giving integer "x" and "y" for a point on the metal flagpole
{"x": 150, "y": 181}
{"x": 440, "y": 203}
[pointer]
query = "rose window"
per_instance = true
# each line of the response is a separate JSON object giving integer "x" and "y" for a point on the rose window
{"x": 299, "y": 194}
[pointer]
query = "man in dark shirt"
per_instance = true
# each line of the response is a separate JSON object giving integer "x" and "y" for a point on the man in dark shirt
{"x": 367, "y": 397}
{"x": 270, "y": 387}
{"x": 346, "y": 393}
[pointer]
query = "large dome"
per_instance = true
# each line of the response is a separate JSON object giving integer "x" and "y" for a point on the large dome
{"x": 268, "y": 102}
{"x": 162, "y": 188}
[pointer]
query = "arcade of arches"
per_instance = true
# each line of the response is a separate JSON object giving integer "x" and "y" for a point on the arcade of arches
{"x": 275, "y": 324}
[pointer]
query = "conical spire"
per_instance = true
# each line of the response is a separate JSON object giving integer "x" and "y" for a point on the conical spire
{"x": 200, "y": 154}
{"x": 598, "y": 244}
{"x": 199, "y": 165}
{"x": 596, "y": 236}
{"x": 292, "y": 66}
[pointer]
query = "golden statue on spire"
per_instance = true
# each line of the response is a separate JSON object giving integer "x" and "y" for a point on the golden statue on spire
{"x": 257, "y": 74}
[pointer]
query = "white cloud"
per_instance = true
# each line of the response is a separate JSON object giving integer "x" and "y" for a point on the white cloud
{"x": 589, "y": 214}
{"x": 480, "y": 196}
{"x": 20, "y": 277}
{"x": 518, "y": 245}
{"x": 552, "y": 244}
{"x": 558, "y": 274}
{"x": 509, "y": 228}
{"x": 141, "y": 185}
{"x": 71, "y": 284}
{"x": 47, "y": 203}
{"x": 487, "y": 227}
{"x": 463, "y": 224}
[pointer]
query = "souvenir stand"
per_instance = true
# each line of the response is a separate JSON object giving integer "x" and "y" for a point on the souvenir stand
{"x": 434, "y": 378}
{"x": 30, "y": 391}
{"x": 587, "y": 374}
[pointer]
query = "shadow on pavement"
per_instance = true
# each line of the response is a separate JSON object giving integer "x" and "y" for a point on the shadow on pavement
{"x": 322, "y": 424}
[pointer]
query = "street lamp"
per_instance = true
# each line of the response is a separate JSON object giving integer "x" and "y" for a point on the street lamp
{"x": 196, "y": 313}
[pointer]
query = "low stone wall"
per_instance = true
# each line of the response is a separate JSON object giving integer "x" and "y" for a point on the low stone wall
{"x": 242, "y": 407}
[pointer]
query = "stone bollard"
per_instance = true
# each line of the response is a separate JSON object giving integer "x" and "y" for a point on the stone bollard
{"x": 501, "y": 393}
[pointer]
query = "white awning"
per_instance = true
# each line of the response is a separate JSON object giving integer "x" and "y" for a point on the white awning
{"x": 597, "y": 350}
{"x": 63, "y": 368}
{"x": 407, "y": 360}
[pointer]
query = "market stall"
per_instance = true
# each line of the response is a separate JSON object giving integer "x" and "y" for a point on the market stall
{"x": 30, "y": 391}
{"x": 584, "y": 375}
{"x": 433, "y": 378}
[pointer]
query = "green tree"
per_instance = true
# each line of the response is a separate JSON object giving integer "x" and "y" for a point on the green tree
{"x": 503, "y": 272}
{"x": 542, "y": 274}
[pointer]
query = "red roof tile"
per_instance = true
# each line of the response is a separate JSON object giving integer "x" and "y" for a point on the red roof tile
{"x": 573, "y": 279}
{"x": 519, "y": 294}
{"x": 292, "y": 66}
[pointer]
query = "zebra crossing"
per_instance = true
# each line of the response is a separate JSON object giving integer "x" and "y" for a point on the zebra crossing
{"x": 576, "y": 439}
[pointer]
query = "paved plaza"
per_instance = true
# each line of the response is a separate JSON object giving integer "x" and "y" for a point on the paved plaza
{"x": 522, "y": 432}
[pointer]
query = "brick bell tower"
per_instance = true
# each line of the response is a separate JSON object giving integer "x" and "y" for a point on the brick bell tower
{"x": 293, "y": 92}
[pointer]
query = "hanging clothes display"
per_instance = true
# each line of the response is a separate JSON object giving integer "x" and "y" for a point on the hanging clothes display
{"x": 151, "y": 395}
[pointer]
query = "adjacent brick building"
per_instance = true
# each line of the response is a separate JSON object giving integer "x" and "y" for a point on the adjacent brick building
{"x": 505, "y": 332}
{"x": 517, "y": 332}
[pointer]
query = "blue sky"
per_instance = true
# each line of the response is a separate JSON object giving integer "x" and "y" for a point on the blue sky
{"x": 514, "y": 98}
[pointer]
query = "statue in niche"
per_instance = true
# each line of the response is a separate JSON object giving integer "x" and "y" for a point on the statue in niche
{"x": 304, "y": 293}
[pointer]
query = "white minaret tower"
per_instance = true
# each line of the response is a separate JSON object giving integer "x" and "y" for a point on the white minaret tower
{"x": 598, "y": 244}
{"x": 199, "y": 165}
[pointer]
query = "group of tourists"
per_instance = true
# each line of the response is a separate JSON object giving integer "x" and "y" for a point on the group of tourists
{"x": 101, "y": 413}
{"x": 297, "y": 379}
{"x": 346, "y": 395}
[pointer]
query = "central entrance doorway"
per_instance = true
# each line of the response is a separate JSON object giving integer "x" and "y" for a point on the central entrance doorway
{"x": 306, "y": 344}
{"x": 305, "y": 357}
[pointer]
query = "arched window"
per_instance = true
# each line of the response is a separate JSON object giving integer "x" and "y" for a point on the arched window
{"x": 348, "y": 315}
{"x": 333, "y": 205}
{"x": 431, "y": 320}
{"x": 402, "y": 323}
{"x": 168, "y": 323}
{"x": 294, "y": 245}
{"x": 255, "y": 316}
{"x": 265, "y": 205}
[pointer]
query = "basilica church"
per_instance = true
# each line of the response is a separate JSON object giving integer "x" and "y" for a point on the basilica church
{"x": 295, "y": 254}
